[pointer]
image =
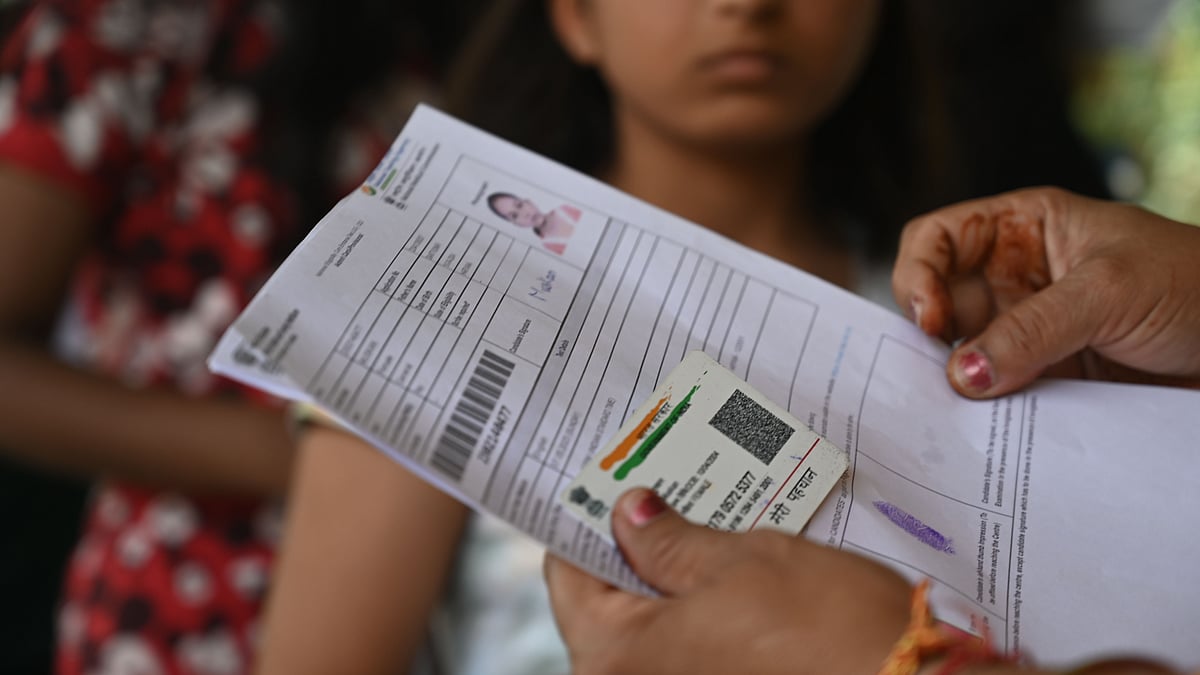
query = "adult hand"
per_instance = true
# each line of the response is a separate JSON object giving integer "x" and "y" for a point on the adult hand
{"x": 1043, "y": 280}
{"x": 760, "y": 602}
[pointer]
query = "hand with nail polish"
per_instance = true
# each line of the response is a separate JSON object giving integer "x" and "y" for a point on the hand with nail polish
{"x": 1043, "y": 281}
{"x": 760, "y": 602}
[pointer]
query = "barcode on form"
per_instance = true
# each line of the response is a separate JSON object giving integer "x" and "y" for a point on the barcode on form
{"x": 471, "y": 415}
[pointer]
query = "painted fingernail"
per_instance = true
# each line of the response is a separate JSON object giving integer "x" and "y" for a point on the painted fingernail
{"x": 974, "y": 371}
{"x": 648, "y": 507}
{"x": 915, "y": 307}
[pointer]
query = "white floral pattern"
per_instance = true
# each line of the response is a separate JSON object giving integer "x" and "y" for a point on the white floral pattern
{"x": 193, "y": 584}
{"x": 128, "y": 655}
{"x": 172, "y": 519}
{"x": 215, "y": 653}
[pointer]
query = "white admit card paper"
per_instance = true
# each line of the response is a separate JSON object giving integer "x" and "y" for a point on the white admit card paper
{"x": 495, "y": 363}
{"x": 717, "y": 451}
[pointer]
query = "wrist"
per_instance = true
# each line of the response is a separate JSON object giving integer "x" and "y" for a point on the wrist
{"x": 944, "y": 665}
{"x": 927, "y": 647}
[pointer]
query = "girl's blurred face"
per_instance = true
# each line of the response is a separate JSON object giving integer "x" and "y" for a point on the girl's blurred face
{"x": 520, "y": 212}
{"x": 724, "y": 71}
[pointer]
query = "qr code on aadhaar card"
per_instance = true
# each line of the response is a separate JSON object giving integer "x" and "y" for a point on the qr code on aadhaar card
{"x": 751, "y": 426}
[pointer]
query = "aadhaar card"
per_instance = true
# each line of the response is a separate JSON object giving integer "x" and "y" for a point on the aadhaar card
{"x": 717, "y": 451}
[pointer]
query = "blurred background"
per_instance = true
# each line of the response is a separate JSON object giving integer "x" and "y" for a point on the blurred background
{"x": 1135, "y": 98}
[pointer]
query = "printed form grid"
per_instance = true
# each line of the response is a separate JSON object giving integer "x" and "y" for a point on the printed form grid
{"x": 670, "y": 280}
{"x": 383, "y": 373}
{"x": 879, "y": 469}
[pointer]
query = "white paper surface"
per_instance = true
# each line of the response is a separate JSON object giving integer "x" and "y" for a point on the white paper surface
{"x": 465, "y": 347}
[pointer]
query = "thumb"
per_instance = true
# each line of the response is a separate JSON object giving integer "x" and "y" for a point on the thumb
{"x": 1020, "y": 343}
{"x": 666, "y": 551}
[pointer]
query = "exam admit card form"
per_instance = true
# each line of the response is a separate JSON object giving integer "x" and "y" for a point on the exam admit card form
{"x": 490, "y": 319}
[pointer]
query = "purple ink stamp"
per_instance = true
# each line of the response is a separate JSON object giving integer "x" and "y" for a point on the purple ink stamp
{"x": 912, "y": 525}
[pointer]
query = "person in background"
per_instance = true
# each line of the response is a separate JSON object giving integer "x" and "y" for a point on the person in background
{"x": 34, "y": 549}
{"x": 807, "y": 130}
{"x": 1106, "y": 288}
{"x": 157, "y": 159}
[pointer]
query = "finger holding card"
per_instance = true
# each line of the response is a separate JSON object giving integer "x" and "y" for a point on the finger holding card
{"x": 717, "y": 451}
{"x": 759, "y": 602}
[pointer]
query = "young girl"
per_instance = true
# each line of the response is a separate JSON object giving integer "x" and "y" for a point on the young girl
{"x": 807, "y": 130}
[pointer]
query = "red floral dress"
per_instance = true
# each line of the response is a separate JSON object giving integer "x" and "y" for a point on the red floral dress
{"x": 113, "y": 100}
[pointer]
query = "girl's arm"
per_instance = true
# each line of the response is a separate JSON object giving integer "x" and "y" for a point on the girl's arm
{"x": 366, "y": 553}
{"x": 65, "y": 419}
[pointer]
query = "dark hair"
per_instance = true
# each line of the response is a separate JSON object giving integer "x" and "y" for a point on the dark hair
{"x": 491, "y": 200}
{"x": 941, "y": 111}
{"x": 1006, "y": 69}
{"x": 334, "y": 56}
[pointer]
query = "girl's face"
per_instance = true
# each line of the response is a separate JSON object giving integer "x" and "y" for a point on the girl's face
{"x": 721, "y": 71}
{"x": 520, "y": 212}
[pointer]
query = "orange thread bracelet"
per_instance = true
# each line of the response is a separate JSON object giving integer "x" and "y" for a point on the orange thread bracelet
{"x": 925, "y": 638}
